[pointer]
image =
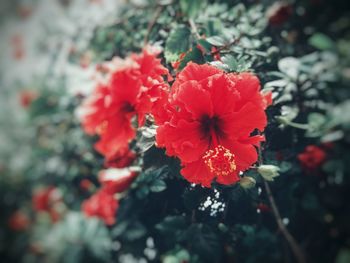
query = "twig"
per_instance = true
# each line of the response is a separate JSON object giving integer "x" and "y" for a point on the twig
{"x": 193, "y": 216}
{"x": 219, "y": 49}
{"x": 153, "y": 22}
{"x": 296, "y": 249}
{"x": 194, "y": 27}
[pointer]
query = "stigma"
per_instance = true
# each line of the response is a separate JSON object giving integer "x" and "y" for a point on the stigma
{"x": 220, "y": 161}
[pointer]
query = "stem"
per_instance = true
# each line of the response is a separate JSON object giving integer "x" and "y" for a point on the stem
{"x": 299, "y": 125}
{"x": 194, "y": 27}
{"x": 302, "y": 126}
{"x": 219, "y": 49}
{"x": 153, "y": 22}
{"x": 296, "y": 249}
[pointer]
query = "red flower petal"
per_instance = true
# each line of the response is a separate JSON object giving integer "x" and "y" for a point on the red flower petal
{"x": 245, "y": 154}
{"x": 223, "y": 94}
{"x": 116, "y": 137}
{"x": 102, "y": 205}
{"x": 193, "y": 71}
{"x": 197, "y": 173}
{"x": 188, "y": 93}
{"x": 185, "y": 140}
{"x": 197, "y": 72}
{"x": 116, "y": 180}
{"x": 228, "y": 179}
{"x": 245, "y": 121}
{"x": 121, "y": 159}
{"x": 248, "y": 86}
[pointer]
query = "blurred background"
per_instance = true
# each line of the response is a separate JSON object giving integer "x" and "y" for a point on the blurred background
{"x": 49, "y": 51}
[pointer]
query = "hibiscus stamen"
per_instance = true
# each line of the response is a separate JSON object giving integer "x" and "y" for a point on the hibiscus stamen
{"x": 220, "y": 161}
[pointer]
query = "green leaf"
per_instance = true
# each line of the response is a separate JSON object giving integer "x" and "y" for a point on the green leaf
{"x": 213, "y": 27}
{"x": 135, "y": 231}
{"x": 204, "y": 242}
{"x": 191, "y": 8}
{"x": 194, "y": 55}
{"x": 158, "y": 186}
{"x": 171, "y": 224}
{"x": 142, "y": 192}
{"x": 321, "y": 41}
{"x": 217, "y": 41}
{"x": 230, "y": 63}
{"x": 343, "y": 256}
{"x": 205, "y": 45}
{"x": 177, "y": 43}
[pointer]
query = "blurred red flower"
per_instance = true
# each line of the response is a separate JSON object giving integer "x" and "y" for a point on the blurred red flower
{"x": 211, "y": 115}
{"x": 216, "y": 53}
{"x": 123, "y": 158}
{"x": 19, "y": 221}
{"x": 43, "y": 199}
{"x": 116, "y": 180}
{"x": 47, "y": 200}
{"x": 133, "y": 87}
{"x": 312, "y": 157}
{"x": 102, "y": 205}
{"x": 86, "y": 185}
{"x": 263, "y": 207}
{"x": 26, "y": 97}
{"x": 279, "y": 13}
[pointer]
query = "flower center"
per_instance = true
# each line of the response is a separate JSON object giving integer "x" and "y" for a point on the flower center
{"x": 220, "y": 161}
{"x": 210, "y": 124}
{"x": 127, "y": 107}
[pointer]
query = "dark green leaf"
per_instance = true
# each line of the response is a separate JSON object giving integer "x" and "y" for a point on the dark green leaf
{"x": 191, "y": 7}
{"x": 204, "y": 242}
{"x": 171, "y": 224}
{"x": 321, "y": 41}
{"x": 178, "y": 42}
{"x": 217, "y": 41}
{"x": 158, "y": 186}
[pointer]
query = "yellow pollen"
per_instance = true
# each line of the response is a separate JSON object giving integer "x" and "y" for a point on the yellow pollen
{"x": 220, "y": 161}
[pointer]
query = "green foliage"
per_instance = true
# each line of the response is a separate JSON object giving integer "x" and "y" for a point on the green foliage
{"x": 150, "y": 181}
{"x": 177, "y": 43}
{"x": 191, "y": 8}
{"x": 78, "y": 239}
{"x": 321, "y": 41}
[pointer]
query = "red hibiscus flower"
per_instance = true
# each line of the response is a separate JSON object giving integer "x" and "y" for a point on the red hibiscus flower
{"x": 133, "y": 87}
{"x": 312, "y": 157}
{"x": 19, "y": 221}
{"x": 26, "y": 97}
{"x": 117, "y": 180}
{"x": 47, "y": 200}
{"x": 279, "y": 13}
{"x": 102, "y": 205}
{"x": 86, "y": 185}
{"x": 211, "y": 115}
{"x": 263, "y": 207}
{"x": 216, "y": 53}
{"x": 123, "y": 158}
{"x": 43, "y": 199}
